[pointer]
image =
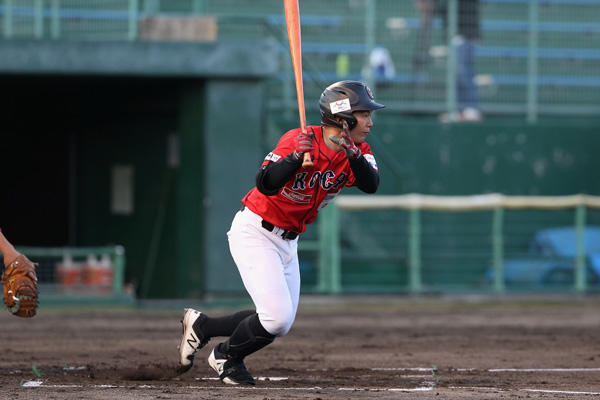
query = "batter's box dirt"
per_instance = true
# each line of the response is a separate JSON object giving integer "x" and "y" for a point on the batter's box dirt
{"x": 396, "y": 347}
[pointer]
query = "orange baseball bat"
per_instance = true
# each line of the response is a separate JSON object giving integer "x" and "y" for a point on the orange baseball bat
{"x": 292, "y": 19}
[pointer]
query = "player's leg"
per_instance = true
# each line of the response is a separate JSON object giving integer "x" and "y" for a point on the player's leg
{"x": 275, "y": 312}
{"x": 198, "y": 328}
{"x": 227, "y": 358}
{"x": 262, "y": 259}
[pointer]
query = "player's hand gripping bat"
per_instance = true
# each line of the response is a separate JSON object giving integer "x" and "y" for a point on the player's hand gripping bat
{"x": 346, "y": 143}
{"x": 292, "y": 18}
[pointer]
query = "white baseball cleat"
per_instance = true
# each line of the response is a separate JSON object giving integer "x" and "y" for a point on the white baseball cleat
{"x": 231, "y": 371}
{"x": 192, "y": 338}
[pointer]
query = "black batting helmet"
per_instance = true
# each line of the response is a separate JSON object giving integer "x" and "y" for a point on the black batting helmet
{"x": 342, "y": 98}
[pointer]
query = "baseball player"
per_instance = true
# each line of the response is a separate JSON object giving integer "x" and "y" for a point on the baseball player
{"x": 263, "y": 237}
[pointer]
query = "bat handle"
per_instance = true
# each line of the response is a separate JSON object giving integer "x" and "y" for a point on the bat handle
{"x": 307, "y": 162}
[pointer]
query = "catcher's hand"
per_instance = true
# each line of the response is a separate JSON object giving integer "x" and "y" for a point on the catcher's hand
{"x": 20, "y": 287}
{"x": 346, "y": 143}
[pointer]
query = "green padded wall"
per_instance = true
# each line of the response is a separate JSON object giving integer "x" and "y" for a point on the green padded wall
{"x": 233, "y": 156}
{"x": 553, "y": 157}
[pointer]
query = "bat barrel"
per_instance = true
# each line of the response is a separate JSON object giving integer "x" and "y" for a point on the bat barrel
{"x": 292, "y": 16}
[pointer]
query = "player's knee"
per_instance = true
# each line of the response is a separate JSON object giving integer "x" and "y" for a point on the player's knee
{"x": 281, "y": 328}
{"x": 279, "y": 323}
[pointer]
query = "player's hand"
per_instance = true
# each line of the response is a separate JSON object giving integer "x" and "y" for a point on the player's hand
{"x": 303, "y": 144}
{"x": 346, "y": 143}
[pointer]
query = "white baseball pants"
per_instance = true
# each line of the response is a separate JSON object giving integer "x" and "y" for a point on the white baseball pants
{"x": 269, "y": 268}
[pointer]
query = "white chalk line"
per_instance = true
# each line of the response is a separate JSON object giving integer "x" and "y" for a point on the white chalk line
{"x": 260, "y": 378}
{"x": 544, "y": 370}
{"x": 558, "y": 391}
{"x": 422, "y": 369}
{"x": 40, "y": 384}
{"x": 480, "y": 388}
{"x": 417, "y": 369}
{"x": 417, "y": 389}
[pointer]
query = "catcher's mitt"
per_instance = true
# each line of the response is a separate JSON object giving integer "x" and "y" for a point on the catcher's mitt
{"x": 20, "y": 287}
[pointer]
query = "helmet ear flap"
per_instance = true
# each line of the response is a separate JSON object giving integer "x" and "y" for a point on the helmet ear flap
{"x": 351, "y": 121}
{"x": 348, "y": 117}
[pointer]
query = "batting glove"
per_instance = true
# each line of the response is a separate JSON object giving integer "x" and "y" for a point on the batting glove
{"x": 303, "y": 144}
{"x": 346, "y": 143}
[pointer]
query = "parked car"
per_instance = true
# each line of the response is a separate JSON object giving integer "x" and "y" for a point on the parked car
{"x": 551, "y": 259}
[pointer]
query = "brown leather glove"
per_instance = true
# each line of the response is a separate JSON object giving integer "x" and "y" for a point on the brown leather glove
{"x": 20, "y": 287}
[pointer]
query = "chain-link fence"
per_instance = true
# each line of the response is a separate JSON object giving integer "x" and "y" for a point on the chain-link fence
{"x": 466, "y": 243}
{"x": 458, "y": 57}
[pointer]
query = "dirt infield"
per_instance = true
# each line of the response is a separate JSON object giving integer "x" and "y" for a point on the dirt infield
{"x": 340, "y": 348}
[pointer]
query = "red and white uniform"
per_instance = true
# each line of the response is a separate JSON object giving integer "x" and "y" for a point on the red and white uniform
{"x": 302, "y": 197}
{"x": 268, "y": 264}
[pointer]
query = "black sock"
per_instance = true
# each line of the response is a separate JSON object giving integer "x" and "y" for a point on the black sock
{"x": 223, "y": 326}
{"x": 248, "y": 337}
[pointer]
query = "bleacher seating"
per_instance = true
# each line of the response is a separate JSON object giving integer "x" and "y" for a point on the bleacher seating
{"x": 568, "y": 56}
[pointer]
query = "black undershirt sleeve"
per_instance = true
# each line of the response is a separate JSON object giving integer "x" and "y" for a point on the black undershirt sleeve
{"x": 367, "y": 178}
{"x": 271, "y": 177}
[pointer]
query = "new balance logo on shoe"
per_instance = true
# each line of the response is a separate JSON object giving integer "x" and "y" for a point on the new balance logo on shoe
{"x": 191, "y": 341}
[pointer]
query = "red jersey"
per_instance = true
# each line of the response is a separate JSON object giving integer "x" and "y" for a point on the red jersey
{"x": 300, "y": 199}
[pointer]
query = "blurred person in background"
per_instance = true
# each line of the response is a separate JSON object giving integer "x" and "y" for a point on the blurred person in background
{"x": 382, "y": 66}
{"x": 467, "y": 35}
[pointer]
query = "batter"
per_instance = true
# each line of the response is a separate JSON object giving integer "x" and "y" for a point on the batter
{"x": 263, "y": 238}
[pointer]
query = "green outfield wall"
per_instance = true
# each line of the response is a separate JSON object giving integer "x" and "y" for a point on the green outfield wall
{"x": 555, "y": 156}
{"x": 418, "y": 154}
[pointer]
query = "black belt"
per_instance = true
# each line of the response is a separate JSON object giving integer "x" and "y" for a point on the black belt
{"x": 285, "y": 234}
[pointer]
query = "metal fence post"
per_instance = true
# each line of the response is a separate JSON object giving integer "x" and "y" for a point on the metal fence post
{"x": 369, "y": 40}
{"x": 54, "y": 19}
{"x": 199, "y": 7}
{"x": 8, "y": 19}
{"x": 452, "y": 18}
{"x": 580, "y": 270}
{"x": 414, "y": 250}
{"x": 329, "y": 251}
{"x": 119, "y": 269}
{"x": 133, "y": 20}
{"x": 38, "y": 19}
{"x": 498, "y": 249}
{"x": 532, "y": 63}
